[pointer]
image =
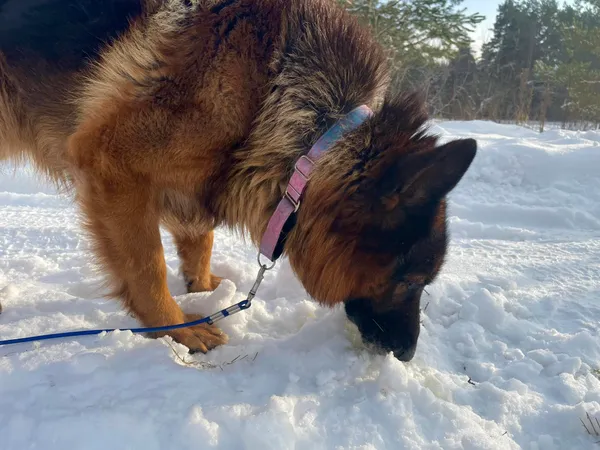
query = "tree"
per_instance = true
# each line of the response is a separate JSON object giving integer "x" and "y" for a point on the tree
{"x": 572, "y": 79}
{"x": 459, "y": 92}
{"x": 418, "y": 34}
{"x": 581, "y": 71}
{"x": 523, "y": 32}
{"x": 542, "y": 62}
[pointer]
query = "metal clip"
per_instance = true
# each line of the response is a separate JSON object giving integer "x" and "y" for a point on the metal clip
{"x": 259, "y": 277}
{"x": 244, "y": 304}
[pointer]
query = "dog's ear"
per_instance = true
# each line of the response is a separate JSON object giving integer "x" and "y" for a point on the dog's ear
{"x": 431, "y": 174}
{"x": 428, "y": 175}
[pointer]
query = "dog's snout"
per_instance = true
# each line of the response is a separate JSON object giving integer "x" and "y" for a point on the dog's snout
{"x": 405, "y": 354}
{"x": 396, "y": 330}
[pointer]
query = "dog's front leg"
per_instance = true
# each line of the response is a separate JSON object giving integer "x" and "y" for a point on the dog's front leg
{"x": 124, "y": 223}
{"x": 194, "y": 250}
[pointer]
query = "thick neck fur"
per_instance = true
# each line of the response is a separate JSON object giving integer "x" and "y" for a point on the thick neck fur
{"x": 322, "y": 64}
{"x": 326, "y": 66}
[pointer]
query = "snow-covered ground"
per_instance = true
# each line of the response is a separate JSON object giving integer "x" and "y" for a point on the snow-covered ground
{"x": 509, "y": 354}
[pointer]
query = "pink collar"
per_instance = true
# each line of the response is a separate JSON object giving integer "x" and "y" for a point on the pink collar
{"x": 280, "y": 224}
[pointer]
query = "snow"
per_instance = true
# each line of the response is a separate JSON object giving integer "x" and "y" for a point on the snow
{"x": 508, "y": 358}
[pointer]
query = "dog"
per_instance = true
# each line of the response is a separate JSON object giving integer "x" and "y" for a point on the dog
{"x": 193, "y": 114}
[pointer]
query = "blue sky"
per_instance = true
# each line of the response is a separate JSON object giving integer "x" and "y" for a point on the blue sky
{"x": 487, "y": 8}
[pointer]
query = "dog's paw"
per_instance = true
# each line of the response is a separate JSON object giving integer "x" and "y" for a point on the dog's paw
{"x": 199, "y": 338}
{"x": 215, "y": 281}
{"x": 196, "y": 285}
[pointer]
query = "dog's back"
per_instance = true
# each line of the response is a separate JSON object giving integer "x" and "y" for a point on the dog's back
{"x": 61, "y": 32}
{"x": 43, "y": 46}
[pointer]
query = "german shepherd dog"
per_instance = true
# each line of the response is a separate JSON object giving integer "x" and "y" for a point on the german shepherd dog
{"x": 192, "y": 114}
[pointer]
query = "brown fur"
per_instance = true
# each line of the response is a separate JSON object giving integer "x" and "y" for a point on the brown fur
{"x": 194, "y": 117}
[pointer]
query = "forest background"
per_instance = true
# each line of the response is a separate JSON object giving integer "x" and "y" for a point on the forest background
{"x": 540, "y": 62}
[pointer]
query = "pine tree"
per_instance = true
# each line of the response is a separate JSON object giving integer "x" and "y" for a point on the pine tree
{"x": 543, "y": 61}
{"x": 527, "y": 34}
{"x": 418, "y": 34}
{"x": 571, "y": 78}
{"x": 581, "y": 72}
{"x": 417, "y": 29}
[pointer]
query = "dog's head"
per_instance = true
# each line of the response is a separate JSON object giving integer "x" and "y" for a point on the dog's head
{"x": 371, "y": 231}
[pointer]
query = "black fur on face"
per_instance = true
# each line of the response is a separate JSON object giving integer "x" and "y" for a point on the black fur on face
{"x": 392, "y": 321}
{"x": 372, "y": 230}
{"x": 396, "y": 330}
{"x": 418, "y": 243}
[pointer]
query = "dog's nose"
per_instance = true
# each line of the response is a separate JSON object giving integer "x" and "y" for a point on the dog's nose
{"x": 396, "y": 330}
{"x": 405, "y": 354}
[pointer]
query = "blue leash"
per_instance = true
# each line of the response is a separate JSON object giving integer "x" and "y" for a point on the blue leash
{"x": 245, "y": 304}
{"x": 219, "y": 315}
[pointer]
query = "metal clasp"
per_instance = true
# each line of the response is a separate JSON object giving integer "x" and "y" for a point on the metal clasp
{"x": 295, "y": 204}
{"x": 259, "y": 277}
{"x": 244, "y": 304}
{"x": 304, "y": 175}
